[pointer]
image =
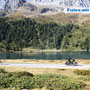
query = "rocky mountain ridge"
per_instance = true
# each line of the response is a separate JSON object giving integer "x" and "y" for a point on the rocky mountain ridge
{"x": 69, "y": 3}
{"x": 39, "y": 6}
{"x": 7, "y": 6}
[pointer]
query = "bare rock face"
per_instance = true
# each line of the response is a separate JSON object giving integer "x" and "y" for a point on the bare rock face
{"x": 77, "y": 3}
{"x": 69, "y": 3}
{"x": 60, "y": 5}
{"x": 7, "y": 6}
{"x": 30, "y": 6}
{"x": 39, "y": 6}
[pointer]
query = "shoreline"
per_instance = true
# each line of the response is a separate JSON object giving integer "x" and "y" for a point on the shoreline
{"x": 34, "y": 61}
{"x": 31, "y": 50}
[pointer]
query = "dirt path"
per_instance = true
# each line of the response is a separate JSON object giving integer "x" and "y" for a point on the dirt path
{"x": 58, "y": 66}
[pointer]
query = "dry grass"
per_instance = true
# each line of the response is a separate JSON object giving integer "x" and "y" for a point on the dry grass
{"x": 59, "y": 18}
{"x": 88, "y": 86}
{"x": 80, "y": 61}
{"x": 32, "y": 61}
{"x": 83, "y": 18}
{"x": 32, "y": 51}
{"x": 67, "y": 72}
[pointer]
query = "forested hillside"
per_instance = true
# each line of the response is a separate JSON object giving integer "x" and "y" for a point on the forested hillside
{"x": 18, "y": 34}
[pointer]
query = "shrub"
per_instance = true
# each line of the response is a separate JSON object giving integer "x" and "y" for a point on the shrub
{"x": 25, "y": 80}
{"x": 2, "y": 71}
{"x": 20, "y": 74}
{"x": 4, "y": 80}
{"x": 82, "y": 72}
{"x": 42, "y": 79}
{"x": 57, "y": 82}
{"x": 64, "y": 84}
{"x": 12, "y": 79}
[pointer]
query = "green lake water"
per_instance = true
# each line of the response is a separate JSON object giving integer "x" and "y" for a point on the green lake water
{"x": 47, "y": 55}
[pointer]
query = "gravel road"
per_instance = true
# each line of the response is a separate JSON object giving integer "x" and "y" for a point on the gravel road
{"x": 58, "y": 66}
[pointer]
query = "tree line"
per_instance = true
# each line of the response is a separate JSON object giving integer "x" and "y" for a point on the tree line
{"x": 18, "y": 34}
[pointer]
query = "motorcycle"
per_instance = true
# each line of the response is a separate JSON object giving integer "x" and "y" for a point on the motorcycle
{"x": 71, "y": 62}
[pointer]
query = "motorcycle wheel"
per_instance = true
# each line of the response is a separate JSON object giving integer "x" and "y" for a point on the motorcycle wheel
{"x": 66, "y": 63}
{"x": 76, "y": 64}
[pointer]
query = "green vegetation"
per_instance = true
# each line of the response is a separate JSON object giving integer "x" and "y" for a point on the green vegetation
{"x": 2, "y": 71}
{"x": 26, "y": 80}
{"x": 85, "y": 78}
{"x": 82, "y": 72}
{"x": 79, "y": 38}
{"x": 18, "y": 34}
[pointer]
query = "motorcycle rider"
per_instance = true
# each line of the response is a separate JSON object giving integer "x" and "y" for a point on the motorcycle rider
{"x": 73, "y": 60}
{"x": 69, "y": 59}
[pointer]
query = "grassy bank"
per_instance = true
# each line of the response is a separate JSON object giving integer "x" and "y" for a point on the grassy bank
{"x": 31, "y": 50}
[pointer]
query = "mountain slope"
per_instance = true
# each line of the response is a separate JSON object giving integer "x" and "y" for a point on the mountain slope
{"x": 44, "y": 10}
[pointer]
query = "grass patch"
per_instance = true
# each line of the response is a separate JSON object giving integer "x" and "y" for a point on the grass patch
{"x": 26, "y": 80}
{"x": 85, "y": 78}
{"x": 82, "y": 72}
